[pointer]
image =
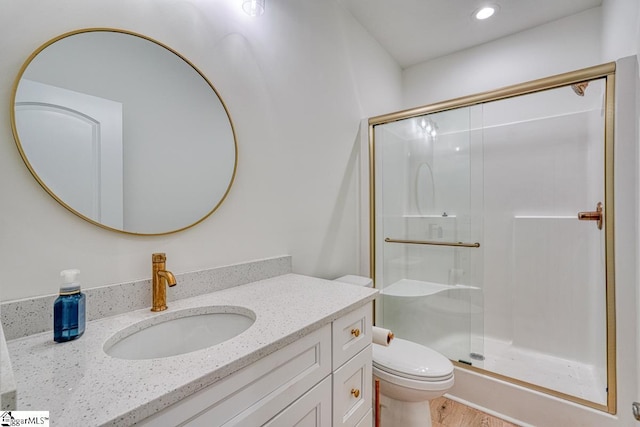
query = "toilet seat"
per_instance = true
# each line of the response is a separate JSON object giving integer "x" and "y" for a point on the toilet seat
{"x": 393, "y": 384}
{"x": 411, "y": 361}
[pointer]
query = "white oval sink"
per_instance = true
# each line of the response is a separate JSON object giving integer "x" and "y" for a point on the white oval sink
{"x": 179, "y": 332}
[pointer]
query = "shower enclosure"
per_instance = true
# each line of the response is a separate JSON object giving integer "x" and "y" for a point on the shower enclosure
{"x": 492, "y": 232}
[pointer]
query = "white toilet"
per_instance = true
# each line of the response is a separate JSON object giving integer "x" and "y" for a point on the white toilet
{"x": 410, "y": 376}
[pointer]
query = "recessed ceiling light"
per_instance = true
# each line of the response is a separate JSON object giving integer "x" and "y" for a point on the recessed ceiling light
{"x": 253, "y": 7}
{"x": 485, "y": 12}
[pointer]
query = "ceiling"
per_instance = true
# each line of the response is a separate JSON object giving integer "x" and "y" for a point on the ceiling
{"x": 414, "y": 31}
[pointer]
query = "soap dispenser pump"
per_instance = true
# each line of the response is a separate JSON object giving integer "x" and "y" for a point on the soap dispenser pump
{"x": 69, "y": 308}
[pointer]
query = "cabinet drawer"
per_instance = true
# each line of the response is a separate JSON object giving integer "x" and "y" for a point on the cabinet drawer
{"x": 352, "y": 333}
{"x": 312, "y": 410}
{"x": 352, "y": 394}
{"x": 255, "y": 394}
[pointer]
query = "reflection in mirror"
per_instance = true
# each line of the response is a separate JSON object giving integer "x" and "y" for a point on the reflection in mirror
{"x": 124, "y": 132}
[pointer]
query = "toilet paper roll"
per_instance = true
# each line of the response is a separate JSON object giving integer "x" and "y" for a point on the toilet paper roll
{"x": 382, "y": 336}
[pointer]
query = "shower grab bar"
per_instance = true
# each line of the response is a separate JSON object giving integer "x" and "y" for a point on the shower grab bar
{"x": 434, "y": 243}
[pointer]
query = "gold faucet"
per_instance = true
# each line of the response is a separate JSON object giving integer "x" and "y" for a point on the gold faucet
{"x": 159, "y": 278}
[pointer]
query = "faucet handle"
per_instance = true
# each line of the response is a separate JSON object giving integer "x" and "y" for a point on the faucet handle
{"x": 159, "y": 257}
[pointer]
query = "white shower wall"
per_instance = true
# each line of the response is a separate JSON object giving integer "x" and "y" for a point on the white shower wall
{"x": 544, "y": 270}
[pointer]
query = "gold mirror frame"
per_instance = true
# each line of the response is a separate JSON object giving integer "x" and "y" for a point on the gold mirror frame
{"x": 55, "y": 196}
{"x": 606, "y": 71}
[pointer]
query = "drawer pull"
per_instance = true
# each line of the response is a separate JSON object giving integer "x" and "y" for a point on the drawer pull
{"x": 355, "y": 392}
{"x": 356, "y": 333}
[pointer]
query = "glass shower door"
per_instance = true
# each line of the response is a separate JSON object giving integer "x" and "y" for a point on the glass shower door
{"x": 428, "y": 195}
{"x": 492, "y": 233}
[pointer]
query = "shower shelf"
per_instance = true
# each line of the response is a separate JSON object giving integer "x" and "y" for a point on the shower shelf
{"x": 419, "y": 288}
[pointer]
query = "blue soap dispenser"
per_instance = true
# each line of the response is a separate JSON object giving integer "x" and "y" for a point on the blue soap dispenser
{"x": 69, "y": 308}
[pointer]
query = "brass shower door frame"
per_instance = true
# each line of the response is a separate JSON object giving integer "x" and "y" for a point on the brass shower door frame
{"x": 606, "y": 71}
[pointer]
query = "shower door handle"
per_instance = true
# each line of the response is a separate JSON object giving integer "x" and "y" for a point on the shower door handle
{"x": 593, "y": 215}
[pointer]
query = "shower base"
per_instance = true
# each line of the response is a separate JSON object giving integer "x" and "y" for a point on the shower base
{"x": 566, "y": 376}
{"x": 443, "y": 317}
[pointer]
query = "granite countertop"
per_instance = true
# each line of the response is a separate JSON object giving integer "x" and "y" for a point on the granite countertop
{"x": 7, "y": 381}
{"x": 80, "y": 385}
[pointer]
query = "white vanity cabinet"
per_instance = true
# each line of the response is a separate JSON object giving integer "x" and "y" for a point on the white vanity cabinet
{"x": 352, "y": 376}
{"x": 322, "y": 379}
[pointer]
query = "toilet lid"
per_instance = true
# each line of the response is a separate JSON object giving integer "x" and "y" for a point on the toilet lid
{"x": 411, "y": 360}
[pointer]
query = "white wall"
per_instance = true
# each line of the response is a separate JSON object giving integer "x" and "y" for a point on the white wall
{"x": 620, "y": 30}
{"x": 296, "y": 81}
{"x": 621, "y": 37}
{"x": 525, "y": 56}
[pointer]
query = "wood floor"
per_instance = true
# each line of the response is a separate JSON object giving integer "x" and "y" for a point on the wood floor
{"x": 448, "y": 413}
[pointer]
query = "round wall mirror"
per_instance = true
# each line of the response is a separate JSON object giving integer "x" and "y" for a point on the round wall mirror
{"x": 124, "y": 131}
